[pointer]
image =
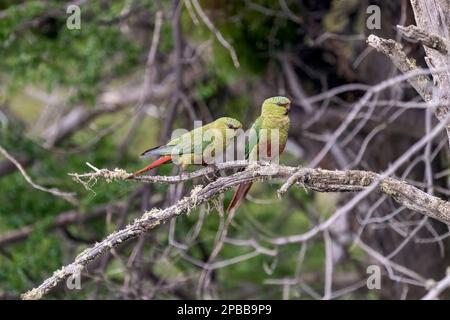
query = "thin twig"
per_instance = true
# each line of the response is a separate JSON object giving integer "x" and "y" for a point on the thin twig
{"x": 438, "y": 287}
{"x": 216, "y": 32}
{"x": 68, "y": 196}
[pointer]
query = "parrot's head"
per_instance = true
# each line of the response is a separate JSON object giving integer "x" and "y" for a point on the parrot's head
{"x": 276, "y": 106}
{"x": 230, "y": 125}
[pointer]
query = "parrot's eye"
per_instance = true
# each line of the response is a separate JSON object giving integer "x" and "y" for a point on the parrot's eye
{"x": 230, "y": 126}
{"x": 281, "y": 104}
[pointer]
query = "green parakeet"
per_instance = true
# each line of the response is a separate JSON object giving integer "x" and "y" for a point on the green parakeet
{"x": 267, "y": 139}
{"x": 198, "y": 146}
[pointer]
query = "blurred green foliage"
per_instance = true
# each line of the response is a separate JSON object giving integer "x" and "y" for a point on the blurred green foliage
{"x": 37, "y": 48}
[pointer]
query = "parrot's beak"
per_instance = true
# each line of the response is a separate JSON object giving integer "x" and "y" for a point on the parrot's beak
{"x": 288, "y": 108}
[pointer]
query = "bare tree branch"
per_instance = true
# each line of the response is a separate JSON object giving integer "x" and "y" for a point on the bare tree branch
{"x": 216, "y": 32}
{"x": 61, "y": 220}
{"x": 314, "y": 179}
{"x": 433, "y": 41}
{"x": 432, "y": 30}
{"x": 438, "y": 287}
{"x": 69, "y": 196}
{"x": 394, "y": 51}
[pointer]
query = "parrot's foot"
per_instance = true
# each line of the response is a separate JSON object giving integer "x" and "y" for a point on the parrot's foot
{"x": 213, "y": 175}
{"x": 214, "y": 166}
{"x": 264, "y": 163}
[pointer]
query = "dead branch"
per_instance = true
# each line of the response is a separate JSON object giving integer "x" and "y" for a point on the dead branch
{"x": 68, "y": 196}
{"x": 216, "y": 32}
{"x": 7, "y": 166}
{"x": 432, "y": 30}
{"x": 314, "y": 179}
{"x": 61, "y": 220}
{"x": 438, "y": 287}
{"x": 394, "y": 51}
{"x": 430, "y": 40}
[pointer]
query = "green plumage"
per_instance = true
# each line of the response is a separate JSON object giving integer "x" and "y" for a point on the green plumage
{"x": 198, "y": 140}
{"x": 273, "y": 123}
{"x": 267, "y": 139}
{"x": 199, "y": 146}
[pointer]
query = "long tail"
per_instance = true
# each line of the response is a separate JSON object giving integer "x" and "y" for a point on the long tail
{"x": 239, "y": 195}
{"x": 154, "y": 164}
{"x": 157, "y": 151}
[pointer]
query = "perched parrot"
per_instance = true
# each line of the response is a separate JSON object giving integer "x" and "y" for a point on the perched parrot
{"x": 198, "y": 146}
{"x": 272, "y": 124}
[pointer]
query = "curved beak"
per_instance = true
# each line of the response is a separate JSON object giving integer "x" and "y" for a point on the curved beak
{"x": 288, "y": 108}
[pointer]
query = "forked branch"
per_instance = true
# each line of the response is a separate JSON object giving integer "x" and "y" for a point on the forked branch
{"x": 314, "y": 179}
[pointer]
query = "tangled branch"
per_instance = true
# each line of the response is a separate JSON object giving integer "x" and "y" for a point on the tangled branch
{"x": 314, "y": 179}
{"x": 430, "y": 25}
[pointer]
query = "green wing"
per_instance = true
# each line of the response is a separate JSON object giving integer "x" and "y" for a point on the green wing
{"x": 191, "y": 142}
{"x": 253, "y": 138}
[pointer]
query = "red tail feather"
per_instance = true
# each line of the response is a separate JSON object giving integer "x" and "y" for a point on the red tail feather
{"x": 239, "y": 195}
{"x": 154, "y": 164}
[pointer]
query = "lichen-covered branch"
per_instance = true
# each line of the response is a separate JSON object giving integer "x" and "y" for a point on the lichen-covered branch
{"x": 430, "y": 40}
{"x": 314, "y": 179}
{"x": 394, "y": 51}
{"x": 433, "y": 26}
